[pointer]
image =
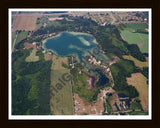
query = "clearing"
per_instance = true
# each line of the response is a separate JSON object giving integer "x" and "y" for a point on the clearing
{"x": 140, "y": 83}
{"x": 82, "y": 107}
{"x": 55, "y": 18}
{"x": 29, "y": 45}
{"x": 137, "y": 62}
{"x": 32, "y": 57}
{"x": 57, "y": 62}
{"x": 47, "y": 56}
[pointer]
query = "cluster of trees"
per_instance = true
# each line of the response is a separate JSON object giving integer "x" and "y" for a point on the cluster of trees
{"x": 103, "y": 80}
{"x": 145, "y": 72}
{"x": 142, "y": 31}
{"x": 30, "y": 85}
{"x": 135, "y": 52}
{"x": 120, "y": 71}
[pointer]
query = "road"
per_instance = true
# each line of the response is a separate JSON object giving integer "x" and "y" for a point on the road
{"x": 14, "y": 43}
{"x": 42, "y": 14}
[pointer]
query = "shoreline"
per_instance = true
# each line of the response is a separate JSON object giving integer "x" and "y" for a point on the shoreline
{"x": 74, "y": 33}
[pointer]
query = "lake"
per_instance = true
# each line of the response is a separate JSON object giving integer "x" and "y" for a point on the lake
{"x": 71, "y": 43}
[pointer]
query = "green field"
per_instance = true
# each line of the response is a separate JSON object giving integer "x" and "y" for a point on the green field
{"x": 133, "y": 37}
{"x": 20, "y": 36}
{"x": 136, "y": 26}
{"x": 138, "y": 113}
{"x": 32, "y": 57}
{"x": 13, "y": 39}
{"x": 61, "y": 103}
{"x": 137, "y": 62}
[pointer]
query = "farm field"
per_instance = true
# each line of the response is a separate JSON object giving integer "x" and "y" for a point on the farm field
{"x": 132, "y": 37}
{"x": 136, "y": 38}
{"x": 22, "y": 35}
{"x": 136, "y": 26}
{"x": 27, "y": 23}
{"x": 32, "y": 57}
{"x": 57, "y": 62}
{"x": 137, "y": 62}
{"x": 62, "y": 101}
{"x": 17, "y": 37}
{"x": 139, "y": 81}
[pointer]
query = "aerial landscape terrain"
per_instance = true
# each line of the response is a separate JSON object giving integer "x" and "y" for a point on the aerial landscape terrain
{"x": 80, "y": 63}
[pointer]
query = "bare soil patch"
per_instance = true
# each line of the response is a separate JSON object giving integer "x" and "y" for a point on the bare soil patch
{"x": 114, "y": 101}
{"x": 83, "y": 107}
{"x": 47, "y": 57}
{"x": 139, "y": 81}
{"x": 27, "y": 23}
{"x": 29, "y": 45}
{"x": 55, "y": 18}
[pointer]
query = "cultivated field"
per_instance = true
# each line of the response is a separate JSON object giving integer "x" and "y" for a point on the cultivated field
{"x": 139, "y": 81}
{"x": 130, "y": 35}
{"x": 137, "y": 62}
{"x": 27, "y": 23}
{"x": 61, "y": 103}
{"x": 18, "y": 36}
{"x": 22, "y": 35}
{"x": 136, "y": 38}
{"x": 32, "y": 57}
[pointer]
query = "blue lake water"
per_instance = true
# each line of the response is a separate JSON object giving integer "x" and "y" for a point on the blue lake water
{"x": 71, "y": 43}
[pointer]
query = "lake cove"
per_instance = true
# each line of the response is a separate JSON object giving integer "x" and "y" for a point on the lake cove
{"x": 71, "y": 43}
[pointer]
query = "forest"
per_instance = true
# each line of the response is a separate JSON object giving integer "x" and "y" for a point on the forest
{"x": 30, "y": 85}
{"x": 120, "y": 71}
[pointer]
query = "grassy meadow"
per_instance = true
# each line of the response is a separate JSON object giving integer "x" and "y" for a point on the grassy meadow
{"x": 136, "y": 61}
{"x": 17, "y": 37}
{"x": 61, "y": 103}
{"x": 132, "y": 36}
{"x": 32, "y": 57}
